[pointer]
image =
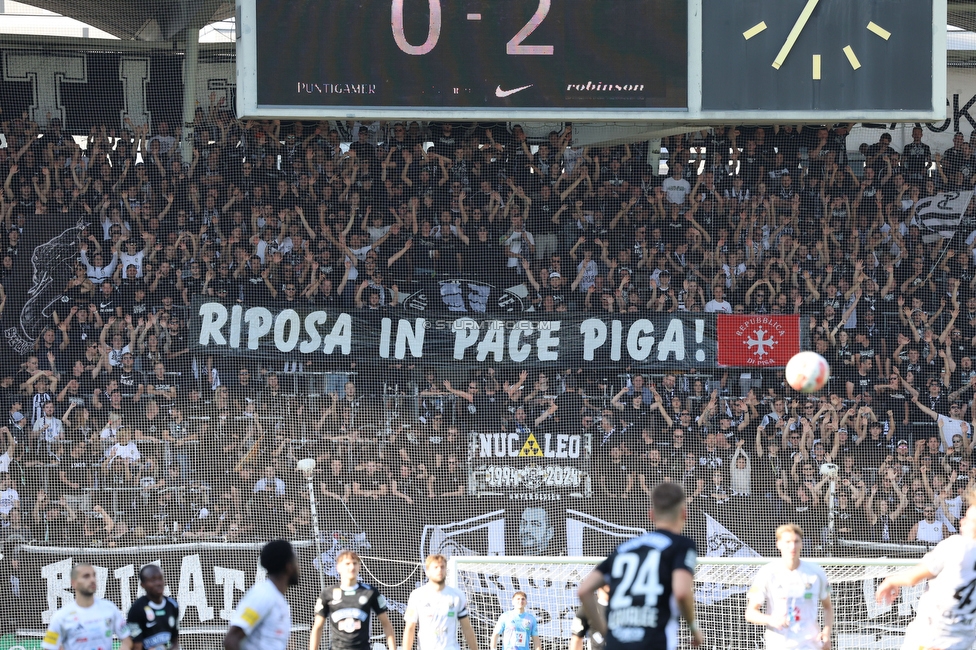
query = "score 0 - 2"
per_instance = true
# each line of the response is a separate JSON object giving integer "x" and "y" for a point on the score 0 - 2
{"x": 514, "y": 46}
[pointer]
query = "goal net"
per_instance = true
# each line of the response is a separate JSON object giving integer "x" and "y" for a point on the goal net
{"x": 721, "y": 583}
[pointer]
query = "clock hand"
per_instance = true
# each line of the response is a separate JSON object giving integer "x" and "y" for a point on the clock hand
{"x": 801, "y": 22}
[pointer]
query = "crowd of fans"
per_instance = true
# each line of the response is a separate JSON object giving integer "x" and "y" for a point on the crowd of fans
{"x": 119, "y": 432}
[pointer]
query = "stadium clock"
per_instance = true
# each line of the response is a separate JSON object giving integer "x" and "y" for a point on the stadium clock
{"x": 573, "y": 54}
{"x": 830, "y": 55}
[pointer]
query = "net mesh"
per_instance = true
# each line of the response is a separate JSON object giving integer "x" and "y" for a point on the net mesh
{"x": 489, "y": 347}
{"x": 550, "y": 586}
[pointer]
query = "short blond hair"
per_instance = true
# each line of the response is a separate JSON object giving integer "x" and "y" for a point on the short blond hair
{"x": 434, "y": 558}
{"x": 789, "y": 528}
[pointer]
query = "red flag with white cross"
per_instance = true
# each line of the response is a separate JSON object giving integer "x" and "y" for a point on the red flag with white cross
{"x": 757, "y": 340}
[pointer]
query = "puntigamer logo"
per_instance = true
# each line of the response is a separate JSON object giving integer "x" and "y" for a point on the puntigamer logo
{"x": 311, "y": 87}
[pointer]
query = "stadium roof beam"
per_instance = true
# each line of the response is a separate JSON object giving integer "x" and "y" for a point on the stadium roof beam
{"x": 962, "y": 14}
{"x": 164, "y": 20}
{"x": 151, "y": 20}
{"x": 143, "y": 20}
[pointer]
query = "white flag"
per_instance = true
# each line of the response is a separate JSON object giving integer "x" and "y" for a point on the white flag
{"x": 939, "y": 215}
{"x": 722, "y": 542}
{"x": 483, "y": 534}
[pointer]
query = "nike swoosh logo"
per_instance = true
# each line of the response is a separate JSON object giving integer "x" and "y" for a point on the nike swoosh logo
{"x": 505, "y": 93}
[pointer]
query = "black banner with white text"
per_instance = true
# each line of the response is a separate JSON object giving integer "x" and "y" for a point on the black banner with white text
{"x": 681, "y": 341}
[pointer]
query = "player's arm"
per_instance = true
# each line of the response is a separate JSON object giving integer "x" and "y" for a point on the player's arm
{"x": 135, "y": 626}
{"x": 587, "y": 595}
{"x": 387, "y": 625}
{"x": 175, "y": 642}
{"x": 234, "y": 637}
{"x": 493, "y": 643}
{"x": 135, "y": 645}
{"x": 889, "y": 588}
{"x": 318, "y": 622}
{"x": 683, "y": 590}
{"x": 828, "y": 621}
{"x": 409, "y": 632}
{"x": 755, "y": 615}
{"x": 579, "y": 629}
{"x": 248, "y": 616}
{"x": 121, "y": 629}
{"x": 52, "y": 637}
{"x": 315, "y": 635}
{"x": 468, "y": 631}
{"x": 410, "y": 619}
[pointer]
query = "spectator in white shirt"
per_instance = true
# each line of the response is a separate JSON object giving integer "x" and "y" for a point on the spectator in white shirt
{"x": 9, "y": 497}
{"x": 519, "y": 244}
{"x": 120, "y": 457}
{"x": 47, "y": 427}
{"x": 676, "y": 188}
{"x": 132, "y": 257}
{"x": 718, "y": 303}
{"x": 98, "y": 271}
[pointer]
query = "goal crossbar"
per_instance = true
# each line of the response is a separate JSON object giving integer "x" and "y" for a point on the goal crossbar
{"x": 457, "y": 563}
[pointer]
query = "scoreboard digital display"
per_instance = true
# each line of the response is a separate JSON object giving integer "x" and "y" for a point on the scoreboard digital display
{"x": 472, "y": 54}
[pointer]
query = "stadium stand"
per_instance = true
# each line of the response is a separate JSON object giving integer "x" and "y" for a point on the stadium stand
{"x": 124, "y": 431}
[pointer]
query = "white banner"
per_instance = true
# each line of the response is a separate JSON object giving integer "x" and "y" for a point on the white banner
{"x": 720, "y": 542}
{"x": 939, "y": 215}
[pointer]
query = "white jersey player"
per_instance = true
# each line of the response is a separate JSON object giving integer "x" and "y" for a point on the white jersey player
{"x": 86, "y": 623}
{"x": 946, "y": 614}
{"x": 791, "y": 590}
{"x": 435, "y": 611}
{"x": 262, "y": 620}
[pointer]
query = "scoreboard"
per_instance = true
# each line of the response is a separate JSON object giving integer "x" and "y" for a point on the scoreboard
{"x": 638, "y": 60}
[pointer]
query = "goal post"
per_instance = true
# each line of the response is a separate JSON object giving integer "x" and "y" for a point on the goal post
{"x": 550, "y": 584}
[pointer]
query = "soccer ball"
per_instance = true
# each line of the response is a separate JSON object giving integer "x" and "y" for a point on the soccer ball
{"x": 807, "y": 372}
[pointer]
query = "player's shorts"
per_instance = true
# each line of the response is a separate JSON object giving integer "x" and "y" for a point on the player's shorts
{"x": 922, "y": 636}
